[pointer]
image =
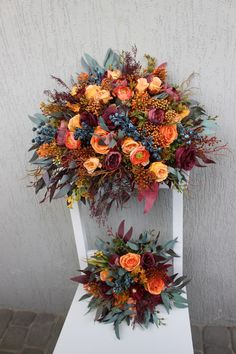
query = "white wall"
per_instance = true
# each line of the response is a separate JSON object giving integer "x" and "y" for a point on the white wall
{"x": 43, "y": 37}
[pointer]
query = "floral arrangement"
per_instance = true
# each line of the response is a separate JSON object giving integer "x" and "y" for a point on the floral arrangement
{"x": 117, "y": 129}
{"x": 128, "y": 280}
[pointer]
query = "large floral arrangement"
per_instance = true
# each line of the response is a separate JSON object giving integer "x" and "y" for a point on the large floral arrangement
{"x": 117, "y": 129}
{"x": 128, "y": 280}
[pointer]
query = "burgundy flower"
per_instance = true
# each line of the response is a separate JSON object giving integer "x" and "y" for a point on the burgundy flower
{"x": 148, "y": 260}
{"x": 172, "y": 92}
{"x": 112, "y": 161}
{"x": 185, "y": 158}
{"x": 114, "y": 260}
{"x": 88, "y": 118}
{"x": 106, "y": 114}
{"x": 137, "y": 292}
{"x": 156, "y": 116}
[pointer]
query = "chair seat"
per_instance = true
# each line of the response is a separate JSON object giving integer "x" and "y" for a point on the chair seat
{"x": 81, "y": 335}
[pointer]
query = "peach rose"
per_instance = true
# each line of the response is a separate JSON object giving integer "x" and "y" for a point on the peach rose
{"x": 139, "y": 156}
{"x": 124, "y": 93}
{"x": 167, "y": 134}
{"x": 91, "y": 92}
{"x": 130, "y": 261}
{"x": 104, "y": 96}
{"x": 97, "y": 141}
{"x": 114, "y": 74}
{"x": 155, "y": 286}
{"x": 74, "y": 123}
{"x": 160, "y": 170}
{"x": 155, "y": 85}
{"x": 104, "y": 275}
{"x": 70, "y": 142}
{"x": 128, "y": 145}
{"x": 142, "y": 85}
{"x": 92, "y": 164}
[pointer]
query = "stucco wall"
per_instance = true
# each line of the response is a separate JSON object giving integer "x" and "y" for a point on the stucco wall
{"x": 39, "y": 38}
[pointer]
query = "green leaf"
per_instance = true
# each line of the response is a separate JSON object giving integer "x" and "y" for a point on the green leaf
{"x": 85, "y": 296}
{"x": 133, "y": 246}
{"x": 166, "y": 301}
{"x": 103, "y": 124}
{"x": 63, "y": 191}
{"x": 180, "y": 305}
{"x": 117, "y": 330}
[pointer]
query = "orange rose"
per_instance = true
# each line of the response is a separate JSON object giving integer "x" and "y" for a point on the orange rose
{"x": 97, "y": 141}
{"x": 155, "y": 85}
{"x": 139, "y": 156}
{"x": 92, "y": 164}
{"x": 113, "y": 74}
{"x": 104, "y": 275}
{"x": 128, "y": 145}
{"x": 142, "y": 85}
{"x": 155, "y": 286}
{"x": 130, "y": 261}
{"x": 70, "y": 141}
{"x": 160, "y": 170}
{"x": 74, "y": 123}
{"x": 167, "y": 134}
{"x": 124, "y": 93}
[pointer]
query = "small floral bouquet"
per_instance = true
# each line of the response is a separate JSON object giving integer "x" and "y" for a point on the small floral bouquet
{"x": 128, "y": 280}
{"x": 117, "y": 129}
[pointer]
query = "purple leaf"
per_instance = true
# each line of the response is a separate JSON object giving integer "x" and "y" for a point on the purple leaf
{"x": 121, "y": 229}
{"x": 128, "y": 235}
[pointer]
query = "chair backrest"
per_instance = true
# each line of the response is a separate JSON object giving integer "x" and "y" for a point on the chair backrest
{"x": 177, "y": 231}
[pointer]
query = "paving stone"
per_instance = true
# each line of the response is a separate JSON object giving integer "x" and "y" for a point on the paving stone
{"x": 4, "y": 352}
{"x": 14, "y": 338}
{"x": 39, "y": 334}
{"x": 43, "y": 318}
{"x": 217, "y": 350}
{"x": 31, "y": 351}
{"x": 5, "y": 317}
{"x": 197, "y": 337}
{"x": 23, "y": 318}
{"x": 233, "y": 331}
{"x": 216, "y": 336}
{"x": 55, "y": 332}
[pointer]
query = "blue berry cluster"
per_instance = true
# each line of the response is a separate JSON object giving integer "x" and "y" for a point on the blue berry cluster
{"x": 185, "y": 134}
{"x": 122, "y": 121}
{"x": 84, "y": 133}
{"x": 45, "y": 133}
{"x": 123, "y": 283}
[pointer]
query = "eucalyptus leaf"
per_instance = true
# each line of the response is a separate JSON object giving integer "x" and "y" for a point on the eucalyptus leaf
{"x": 63, "y": 191}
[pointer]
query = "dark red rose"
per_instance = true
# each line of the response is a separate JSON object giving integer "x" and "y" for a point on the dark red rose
{"x": 156, "y": 116}
{"x": 172, "y": 92}
{"x": 148, "y": 260}
{"x": 185, "y": 158}
{"x": 106, "y": 114}
{"x": 112, "y": 161}
{"x": 114, "y": 260}
{"x": 88, "y": 118}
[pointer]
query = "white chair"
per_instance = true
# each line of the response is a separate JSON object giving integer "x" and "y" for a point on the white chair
{"x": 81, "y": 335}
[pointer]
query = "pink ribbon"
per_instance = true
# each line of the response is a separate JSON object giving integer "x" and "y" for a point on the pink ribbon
{"x": 150, "y": 196}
